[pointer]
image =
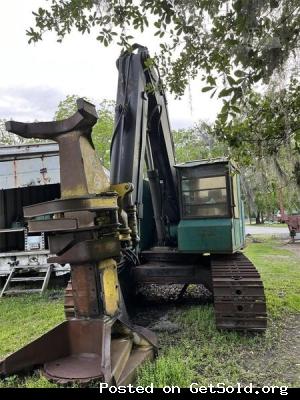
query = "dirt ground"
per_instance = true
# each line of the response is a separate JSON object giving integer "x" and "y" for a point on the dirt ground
{"x": 284, "y": 356}
{"x": 293, "y": 247}
{"x": 290, "y": 349}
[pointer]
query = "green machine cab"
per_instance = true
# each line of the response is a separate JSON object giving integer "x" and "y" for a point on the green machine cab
{"x": 184, "y": 225}
{"x": 211, "y": 208}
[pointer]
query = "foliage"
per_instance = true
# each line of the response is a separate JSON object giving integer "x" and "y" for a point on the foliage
{"x": 66, "y": 107}
{"x": 197, "y": 143}
{"x": 234, "y": 43}
{"x": 262, "y": 177}
{"x": 102, "y": 130}
{"x": 7, "y": 138}
{"x": 265, "y": 180}
{"x": 268, "y": 123}
{"x": 265, "y": 138}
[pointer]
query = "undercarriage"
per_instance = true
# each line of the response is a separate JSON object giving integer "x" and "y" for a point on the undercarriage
{"x": 233, "y": 280}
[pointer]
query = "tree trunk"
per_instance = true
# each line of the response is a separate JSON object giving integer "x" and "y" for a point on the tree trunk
{"x": 249, "y": 212}
{"x": 257, "y": 219}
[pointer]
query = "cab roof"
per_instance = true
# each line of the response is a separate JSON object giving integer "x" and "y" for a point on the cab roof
{"x": 207, "y": 161}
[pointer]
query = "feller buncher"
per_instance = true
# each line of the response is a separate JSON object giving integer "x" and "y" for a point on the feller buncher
{"x": 181, "y": 224}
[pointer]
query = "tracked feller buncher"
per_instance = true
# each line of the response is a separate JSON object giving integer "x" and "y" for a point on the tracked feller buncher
{"x": 173, "y": 224}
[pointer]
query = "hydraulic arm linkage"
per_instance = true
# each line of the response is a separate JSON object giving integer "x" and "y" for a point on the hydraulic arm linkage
{"x": 98, "y": 342}
{"x": 192, "y": 216}
{"x": 142, "y": 135}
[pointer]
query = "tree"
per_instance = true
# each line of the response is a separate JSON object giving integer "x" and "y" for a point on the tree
{"x": 268, "y": 128}
{"x": 8, "y": 138}
{"x": 264, "y": 180}
{"x": 102, "y": 130}
{"x": 197, "y": 143}
{"x": 262, "y": 177}
{"x": 66, "y": 107}
{"x": 233, "y": 43}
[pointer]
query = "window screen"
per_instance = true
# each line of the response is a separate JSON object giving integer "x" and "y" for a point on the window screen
{"x": 204, "y": 197}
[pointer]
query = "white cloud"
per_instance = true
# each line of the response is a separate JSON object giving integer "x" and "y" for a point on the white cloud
{"x": 29, "y": 103}
{"x": 34, "y": 78}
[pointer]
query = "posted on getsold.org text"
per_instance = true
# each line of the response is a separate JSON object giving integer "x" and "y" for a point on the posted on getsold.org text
{"x": 196, "y": 388}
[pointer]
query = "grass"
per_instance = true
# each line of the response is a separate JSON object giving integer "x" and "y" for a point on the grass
{"x": 204, "y": 355}
{"x": 23, "y": 319}
{"x": 26, "y": 317}
{"x": 279, "y": 269}
{"x": 268, "y": 225}
{"x": 198, "y": 352}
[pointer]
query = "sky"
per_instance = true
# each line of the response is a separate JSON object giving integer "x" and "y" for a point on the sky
{"x": 35, "y": 78}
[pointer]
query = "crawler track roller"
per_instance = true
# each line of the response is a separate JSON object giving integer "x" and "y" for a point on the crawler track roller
{"x": 239, "y": 298}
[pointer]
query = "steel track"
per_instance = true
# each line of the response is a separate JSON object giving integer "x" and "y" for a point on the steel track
{"x": 239, "y": 298}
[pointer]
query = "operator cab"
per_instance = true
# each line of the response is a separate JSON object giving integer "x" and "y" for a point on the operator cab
{"x": 211, "y": 209}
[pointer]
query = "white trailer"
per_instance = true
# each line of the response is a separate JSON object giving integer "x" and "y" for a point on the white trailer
{"x": 29, "y": 174}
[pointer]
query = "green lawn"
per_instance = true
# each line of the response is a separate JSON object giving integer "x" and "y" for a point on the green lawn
{"x": 198, "y": 352}
{"x": 204, "y": 355}
{"x": 22, "y": 319}
{"x": 266, "y": 225}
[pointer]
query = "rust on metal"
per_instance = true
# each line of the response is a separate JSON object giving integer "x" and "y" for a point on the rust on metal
{"x": 69, "y": 307}
{"x": 71, "y": 205}
{"x": 95, "y": 342}
{"x": 85, "y": 291}
{"x": 53, "y": 225}
{"x": 76, "y": 350}
{"x": 164, "y": 267}
{"x": 89, "y": 251}
{"x": 239, "y": 298}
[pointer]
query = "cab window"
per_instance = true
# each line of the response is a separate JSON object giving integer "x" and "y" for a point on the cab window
{"x": 204, "y": 197}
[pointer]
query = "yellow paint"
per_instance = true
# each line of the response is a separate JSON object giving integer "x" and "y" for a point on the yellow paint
{"x": 103, "y": 202}
{"x": 96, "y": 179}
{"x": 78, "y": 190}
{"x": 122, "y": 188}
{"x": 110, "y": 286}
